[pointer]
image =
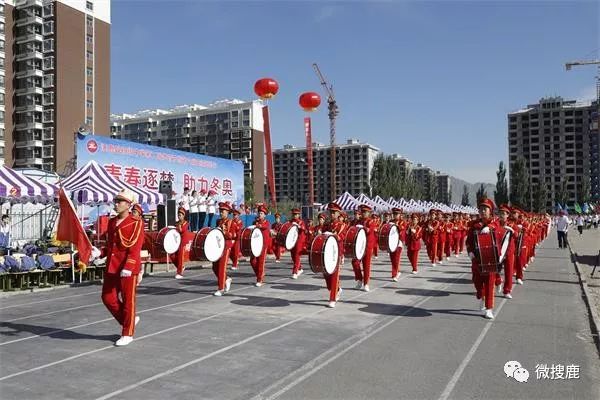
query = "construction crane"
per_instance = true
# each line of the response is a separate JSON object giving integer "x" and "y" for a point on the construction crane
{"x": 333, "y": 112}
{"x": 575, "y": 63}
{"x": 571, "y": 64}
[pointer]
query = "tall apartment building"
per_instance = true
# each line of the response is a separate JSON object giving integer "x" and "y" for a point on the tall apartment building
{"x": 558, "y": 142}
{"x": 426, "y": 181}
{"x": 55, "y": 68}
{"x": 353, "y": 170}
{"x": 443, "y": 188}
{"x": 3, "y": 32}
{"x": 404, "y": 164}
{"x": 228, "y": 128}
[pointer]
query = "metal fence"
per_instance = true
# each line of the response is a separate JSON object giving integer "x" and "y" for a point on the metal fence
{"x": 29, "y": 226}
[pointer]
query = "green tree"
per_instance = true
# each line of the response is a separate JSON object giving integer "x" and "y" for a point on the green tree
{"x": 465, "y": 196}
{"x": 562, "y": 194}
{"x": 519, "y": 184}
{"x": 481, "y": 193}
{"x": 501, "y": 192}
{"x": 248, "y": 190}
{"x": 584, "y": 190}
{"x": 540, "y": 196}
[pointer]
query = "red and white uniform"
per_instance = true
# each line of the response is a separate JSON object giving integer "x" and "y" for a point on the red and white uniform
{"x": 258, "y": 263}
{"x": 414, "y": 234}
{"x": 371, "y": 226}
{"x": 338, "y": 228}
{"x": 125, "y": 238}
{"x": 236, "y": 225}
{"x": 296, "y": 252}
{"x": 395, "y": 255}
{"x": 220, "y": 267}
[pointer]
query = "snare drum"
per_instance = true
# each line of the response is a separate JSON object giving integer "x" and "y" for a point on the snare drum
{"x": 355, "y": 242}
{"x": 168, "y": 240}
{"x": 287, "y": 236}
{"x": 389, "y": 238}
{"x": 487, "y": 253}
{"x": 251, "y": 242}
{"x": 324, "y": 254}
{"x": 208, "y": 245}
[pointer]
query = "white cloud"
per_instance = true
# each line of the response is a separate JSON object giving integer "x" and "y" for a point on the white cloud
{"x": 324, "y": 13}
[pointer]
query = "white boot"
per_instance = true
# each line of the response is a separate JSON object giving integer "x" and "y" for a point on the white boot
{"x": 366, "y": 288}
{"x": 358, "y": 285}
{"x": 519, "y": 281}
{"x": 218, "y": 293}
{"x": 178, "y": 276}
{"x": 227, "y": 285}
{"x": 331, "y": 304}
{"x": 508, "y": 296}
{"x": 482, "y": 305}
{"x": 499, "y": 289}
{"x": 124, "y": 341}
{"x": 137, "y": 319}
{"x": 489, "y": 314}
{"x": 339, "y": 294}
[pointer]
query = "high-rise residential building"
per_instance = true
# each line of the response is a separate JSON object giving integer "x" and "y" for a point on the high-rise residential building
{"x": 55, "y": 68}
{"x": 426, "y": 181}
{"x": 557, "y": 140}
{"x": 404, "y": 164}
{"x": 353, "y": 170}
{"x": 228, "y": 128}
{"x": 443, "y": 187}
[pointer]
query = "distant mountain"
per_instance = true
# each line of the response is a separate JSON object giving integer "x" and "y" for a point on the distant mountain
{"x": 457, "y": 190}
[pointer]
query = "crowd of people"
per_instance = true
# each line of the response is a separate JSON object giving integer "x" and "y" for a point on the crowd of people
{"x": 515, "y": 232}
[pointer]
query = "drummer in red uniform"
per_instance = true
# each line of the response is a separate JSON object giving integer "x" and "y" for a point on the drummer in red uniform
{"x": 338, "y": 228}
{"x": 275, "y": 248}
{"x": 125, "y": 237}
{"x": 414, "y": 234}
{"x": 362, "y": 277}
{"x": 237, "y": 226}
{"x": 258, "y": 263}
{"x": 296, "y": 252}
{"x": 182, "y": 227}
{"x": 219, "y": 268}
{"x": 484, "y": 282}
{"x": 509, "y": 260}
{"x": 395, "y": 255}
{"x": 433, "y": 233}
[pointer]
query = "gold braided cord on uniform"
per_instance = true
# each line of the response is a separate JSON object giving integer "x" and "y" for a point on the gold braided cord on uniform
{"x": 129, "y": 242}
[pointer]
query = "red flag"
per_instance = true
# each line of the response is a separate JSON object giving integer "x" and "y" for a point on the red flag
{"x": 71, "y": 230}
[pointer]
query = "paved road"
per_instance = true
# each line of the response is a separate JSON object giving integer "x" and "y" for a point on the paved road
{"x": 419, "y": 338}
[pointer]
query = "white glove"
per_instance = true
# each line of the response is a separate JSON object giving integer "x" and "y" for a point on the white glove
{"x": 139, "y": 279}
{"x": 413, "y": 230}
{"x": 520, "y": 226}
{"x": 485, "y": 230}
{"x": 471, "y": 255}
{"x": 125, "y": 273}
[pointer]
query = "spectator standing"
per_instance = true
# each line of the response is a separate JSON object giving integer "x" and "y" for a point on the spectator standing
{"x": 580, "y": 223}
{"x": 194, "y": 212}
{"x": 562, "y": 228}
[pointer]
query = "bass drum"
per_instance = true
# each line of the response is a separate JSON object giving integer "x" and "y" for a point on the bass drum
{"x": 251, "y": 242}
{"x": 355, "y": 242}
{"x": 389, "y": 238}
{"x": 168, "y": 240}
{"x": 208, "y": 245}
{"x": 287, "y": 236}
{"x": 324, "y": 254}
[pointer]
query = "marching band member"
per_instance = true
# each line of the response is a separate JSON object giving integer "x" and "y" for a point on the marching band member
{"x": 442, "y": 237}
{"x": 520, "y": 251}
{"x": 414, "y": 234}
{"x": 433, "y": 232}
{"x": 136, "y": 211}
{"x": 377, "y": 219}
{"x": 448, "y": 229}
{"x": 258, "y": 263}
{"x": 456, "y": 233}
{"x": 370, "y": 225}
{"x": 484, "y": 282}
{"x": 125, "y": 238}
{"x": 275, "y": 248}
{"x": 320, "y": 228}
{"x": 237, "y": 226}
{"x": 463, "y": 232}
{"x": 395, "y": 255}
{"x": 228, "y": 227}
{"x": 296, "y": 252}
{"x": 509, "y": 260}
{"x": 181, "y": 226}
{"x": 338, "y": 228}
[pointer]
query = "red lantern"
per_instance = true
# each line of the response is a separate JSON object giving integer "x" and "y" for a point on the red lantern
{"x": 309, "y": 101}
{"x": 266, "y": 88}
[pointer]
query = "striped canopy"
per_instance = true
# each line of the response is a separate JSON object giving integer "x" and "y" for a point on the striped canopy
{"x": 92, "y": 184}
{"x": 14, "y": 185}
{"x": 346, "y": 201}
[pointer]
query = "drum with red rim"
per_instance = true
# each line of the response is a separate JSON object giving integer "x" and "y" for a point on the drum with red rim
{"x": 389, "y": 237}
{"x": 208, "y": 245}
{"x": 324, "y": 254}
{"x": 168, "y": 240}
{"x": 251, "y": 241}
{"x": 355, "y": 242}
{"x": 287, "y": 235}
{"x": 487, "y": 252}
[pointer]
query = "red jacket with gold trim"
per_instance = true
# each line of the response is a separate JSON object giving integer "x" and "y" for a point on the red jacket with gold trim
{"x": 124, "y": 244}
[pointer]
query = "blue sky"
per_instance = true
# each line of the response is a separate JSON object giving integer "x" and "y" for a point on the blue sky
{"x": 430, "y": 80}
